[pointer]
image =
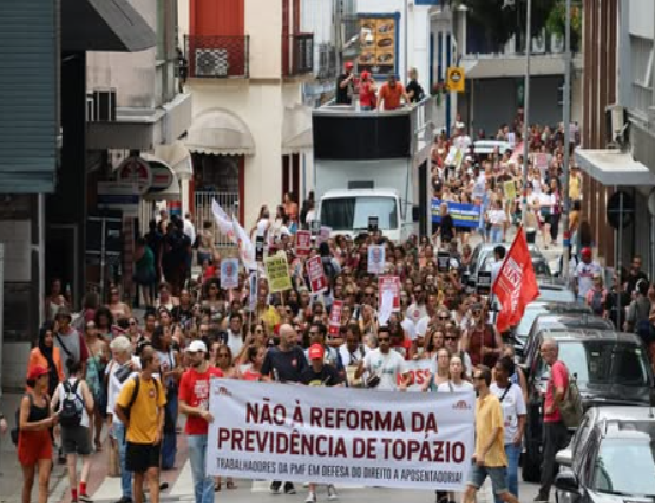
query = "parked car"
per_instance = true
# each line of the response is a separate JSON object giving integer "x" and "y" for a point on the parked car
{"x": 483, "y": 256}
{"x": 521, "y": 332}
{"x": 614, "y": 462}
{"x": 611, "y": 368}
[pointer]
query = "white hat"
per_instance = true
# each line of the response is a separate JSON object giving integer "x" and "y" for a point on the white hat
{"x": 196, "y": 346}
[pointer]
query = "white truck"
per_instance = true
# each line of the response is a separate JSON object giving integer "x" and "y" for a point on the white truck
{"x": 374, "y": 164}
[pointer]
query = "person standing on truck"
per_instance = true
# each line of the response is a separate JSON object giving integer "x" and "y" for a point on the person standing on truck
{"x": 391, "y": 93}
{"x": 367, "y": 97}
{"x": 346, "y": 86}
{"x": 414, "y": 89}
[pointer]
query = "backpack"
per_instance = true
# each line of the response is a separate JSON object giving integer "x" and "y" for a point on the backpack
{"x": 571, "y": 406}
{"x": 597, "y": 301}
{"x": 70, "y": 409}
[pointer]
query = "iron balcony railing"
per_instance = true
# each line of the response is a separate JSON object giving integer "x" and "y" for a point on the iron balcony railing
{"x": 298, "y": 54}
{"x": 217, "y": 56}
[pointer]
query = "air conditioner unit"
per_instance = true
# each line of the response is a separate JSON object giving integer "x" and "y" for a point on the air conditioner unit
{"x": 556, "y": 43}
{"x": 539, "y": 44}
{"x": 212, "y": 63}
{"x": 617, "y": 123}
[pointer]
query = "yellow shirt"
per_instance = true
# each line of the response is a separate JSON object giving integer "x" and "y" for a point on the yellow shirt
{"x": 488, "y": 417}
{"x": 145, "y": 411}
{"x": 574, "y": 187}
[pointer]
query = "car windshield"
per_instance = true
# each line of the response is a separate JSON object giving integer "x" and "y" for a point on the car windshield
{"x": 603, "y": 362}
{"x": 523, "y": 328}
{"x": 626, "y": 466}
{"x": 348, "y": 213}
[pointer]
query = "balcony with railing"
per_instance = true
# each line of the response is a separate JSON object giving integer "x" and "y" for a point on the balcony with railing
{"x": 298, "y": 54}
{"x": 217, "y": 56}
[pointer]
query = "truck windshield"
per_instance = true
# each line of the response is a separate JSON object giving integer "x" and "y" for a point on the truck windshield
{"x": 349, "y": 213}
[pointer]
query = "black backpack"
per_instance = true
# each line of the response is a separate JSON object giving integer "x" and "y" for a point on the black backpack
{"x": 71, "y": 407}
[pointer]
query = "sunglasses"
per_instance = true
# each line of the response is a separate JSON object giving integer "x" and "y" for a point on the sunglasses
{"x": 133, "y": 323}
{"x": 451, "y": 338}
{"x": 444, "y": 318}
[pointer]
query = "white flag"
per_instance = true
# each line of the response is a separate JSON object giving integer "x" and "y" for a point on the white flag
{"x": 223, "y": 221}
{"x": 386, "y": 307}
{"x": 245, "y": 246}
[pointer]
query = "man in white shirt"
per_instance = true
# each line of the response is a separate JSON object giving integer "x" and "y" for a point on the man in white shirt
{"x": 189, "y": 229}
{"x": 585, "y": 272}
{"x": 234, "y": 335}
{"x": 385, "y": 366}
{"x": 499, "y": 258}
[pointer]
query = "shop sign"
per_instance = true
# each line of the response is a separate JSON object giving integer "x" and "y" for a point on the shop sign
{"x": 136, "y": 170}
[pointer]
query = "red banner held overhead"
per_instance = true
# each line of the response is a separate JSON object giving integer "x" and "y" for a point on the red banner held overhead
{"x": 516, "y": 284}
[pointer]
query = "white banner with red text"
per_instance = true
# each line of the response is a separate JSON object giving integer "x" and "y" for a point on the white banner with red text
{"x": 340, "y": 435}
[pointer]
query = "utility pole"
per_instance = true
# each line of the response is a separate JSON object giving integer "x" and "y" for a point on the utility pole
{"x": 567, "y": 141}
{"x": 526, "y": 106}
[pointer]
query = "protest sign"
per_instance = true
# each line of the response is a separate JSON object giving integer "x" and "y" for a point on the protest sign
{"x": 317, "y": 279}
{"x": 334, "y": 323}
{"x": 252, "y": 291}
{"x": 509, "y": 189}
{"x": 277, "y": 270}
{"x": 229, "y": 273}
{"x": 259, "y": 249}
{"x": 417, "y": 373}
{"x": 324, "y": 234}
{"x": 391, "y": 283}
{"x": 386, "y": 307}
{"x": 376, "y": 259}
{"x": 303, "y": 243}
{"x": 463, "y": 214}
{"x": 443, "y": 261}
{"x": 340, "y": 435}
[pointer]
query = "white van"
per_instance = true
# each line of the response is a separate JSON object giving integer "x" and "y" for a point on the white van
{"x": 346, "y": 212}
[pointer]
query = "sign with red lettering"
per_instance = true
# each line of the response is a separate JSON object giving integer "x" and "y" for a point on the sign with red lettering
{"x": 334, "y": 324}
{"x": 303, "y": 243}
{"x": 418, "y": 374}
{"x": 345, "y": 436}
{"x": 317, "y": 279}
{"x": 391, "y": 283}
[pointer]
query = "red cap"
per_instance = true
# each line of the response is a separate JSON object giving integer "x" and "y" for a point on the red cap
{"x": 37, "y": 372}
{"x": 364, "y": 75}
{"x": 586, "y": 252}
{"x": 350, "y": 64}
{"x": 315, "y": 352}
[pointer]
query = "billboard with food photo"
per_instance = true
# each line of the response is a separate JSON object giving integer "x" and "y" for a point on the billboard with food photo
{"x": 379, "y": 50}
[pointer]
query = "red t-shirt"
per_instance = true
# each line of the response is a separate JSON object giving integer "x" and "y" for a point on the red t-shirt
{"x": 559, "y": 378}
{"x": 366, "y": 95}
{"x": 194, "y": 390}
{"x": 391, "y": 96}
{"x": 252, "y": 375}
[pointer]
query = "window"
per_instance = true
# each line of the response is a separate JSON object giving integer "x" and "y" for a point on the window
{"x": 626, "y": 465}
{"x": 641, "y": 67}
{"x": 351, "y": 213}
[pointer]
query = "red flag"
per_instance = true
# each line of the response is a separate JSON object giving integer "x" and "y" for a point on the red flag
{"x": 516, "y": 284}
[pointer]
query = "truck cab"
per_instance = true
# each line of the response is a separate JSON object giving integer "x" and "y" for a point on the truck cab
{"x": 346, "y": 212}
{"x": 374, "y": 164}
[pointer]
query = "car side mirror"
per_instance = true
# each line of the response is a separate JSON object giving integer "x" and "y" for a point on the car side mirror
{"x": 567, "y": 481}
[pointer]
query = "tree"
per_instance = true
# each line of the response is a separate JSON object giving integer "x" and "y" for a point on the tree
{"x": 500, "y": 19}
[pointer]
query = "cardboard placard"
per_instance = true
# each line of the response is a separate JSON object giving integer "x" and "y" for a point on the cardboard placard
{"x": 390, "y": 283}
{"x": 443, "y": 261}
{"x": 303, "y": 243}
{"x": 277, "y": 270}
{"x": 229, "y": 273}
{"x": 317, "y": 279}
{"x": 484, "y": 283}
{"x": 259, "y": 249}
{"x": 334, "y": 323}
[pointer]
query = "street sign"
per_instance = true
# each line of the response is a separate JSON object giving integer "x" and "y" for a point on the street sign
{"x": 135, "y": 169}
{"x": 455, "y": 80}
{"x": 123, "y": 196}
{"x": 620, "y": 212}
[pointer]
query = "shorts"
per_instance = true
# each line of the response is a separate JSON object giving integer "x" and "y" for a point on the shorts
{"x": 495, "y": 473}
{"x": 141, "y": 457}
{"x": 76, "y": 440}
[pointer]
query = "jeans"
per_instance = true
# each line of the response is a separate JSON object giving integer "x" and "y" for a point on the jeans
{"x": 169, "y": 445}
{"x": 554, "y": 225}
{"x": 496, "y": 235}
{"x": 203, "y": 485}
{"x": 126, "y": 477}
{"x": 512, "y": 452}
{"x": 555, "y": 438}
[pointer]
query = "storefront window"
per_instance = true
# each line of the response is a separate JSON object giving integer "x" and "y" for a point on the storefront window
{"x": 216, "y": 173}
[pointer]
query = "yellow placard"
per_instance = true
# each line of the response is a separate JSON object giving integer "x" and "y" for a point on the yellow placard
{"x": 509, "y": 188}
{"x": 277, "y": 270}
{"x": 455, "y": 79}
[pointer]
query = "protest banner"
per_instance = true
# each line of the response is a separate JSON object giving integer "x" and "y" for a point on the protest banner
{"x": 303, "y": 243}
{"x": 463, "y": 214}
{"x": 317, "y": 279}
{"x": 390, "y": 283}
{"x": 334, "y": 323}
{"x": 340, "y": 435}
{"x": 417, "y": 373}
{"x": 376, "y": 259}
{"x": 229, "y": 273}
{"x": 277, "y": 270}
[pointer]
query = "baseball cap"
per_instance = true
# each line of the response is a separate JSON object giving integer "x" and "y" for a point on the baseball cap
{"x": 349, "y": 64}
{"x": 315, "y": 352}
{"x": 586, "y": 252}
{"x": 196, "y": 346}
{"x": 364, "y": 75}
{"x": 36, "y": 372}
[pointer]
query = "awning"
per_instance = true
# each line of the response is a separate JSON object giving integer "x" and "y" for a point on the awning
{"x": 178, "y": 157}
{"x": 613, "y": 167}
{"x": 164, "y": 185}
{"x": 297, "y": 129}
{"x": 104, "y": 25}
{"x": 220, "y": 132}
{"x": 480, "y": 66}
